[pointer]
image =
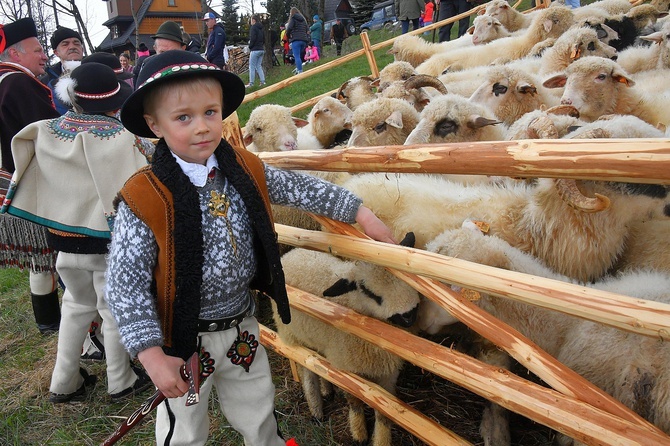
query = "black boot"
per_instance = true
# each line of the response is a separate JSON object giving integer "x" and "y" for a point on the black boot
{"x": 47, "y": 312}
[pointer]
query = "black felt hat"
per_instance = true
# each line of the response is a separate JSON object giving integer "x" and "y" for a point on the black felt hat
{"x": 177, "y": 64}
{"x": 16, "y": 31}
{"x": 111, "y": 61}
{"x": 171, "y": 31}
{"x": 61, "y": 34}
{"x": 94, "y": 88}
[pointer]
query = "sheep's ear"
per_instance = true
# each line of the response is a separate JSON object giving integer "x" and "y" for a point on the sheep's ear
{"x": 481, "y": 12}
{"x": 526, "y": 89}
{"x": 339, "y": 288}
{"x": 557, "y": 81}
{"x": 375, "y": 83}
{"x": 576, "y": 51}
{"x": 248, "y": 139}
{"x": 300, "y": 122}
{"x": 476, "y": 122}
{"x": 409, "y": 240}
{"x": 395, "y": 119}
{"x": 622, "y": 78}
{"x": 656, "y": 37}
{"x": 471, "y": 30}
{"x": 547, "y": 24}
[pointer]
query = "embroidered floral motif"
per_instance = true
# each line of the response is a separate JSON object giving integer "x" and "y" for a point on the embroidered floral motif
{"x": 243, "y": 350}
{"x": 70, "y": 124}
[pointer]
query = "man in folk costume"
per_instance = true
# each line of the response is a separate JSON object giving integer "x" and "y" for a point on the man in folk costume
{"x": 23, "y": 100}
{"x": 64, "y": 181}
{"x": 67, "y": 45}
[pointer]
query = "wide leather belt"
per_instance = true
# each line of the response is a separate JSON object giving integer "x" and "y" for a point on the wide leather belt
{"x": 211, "y": 325}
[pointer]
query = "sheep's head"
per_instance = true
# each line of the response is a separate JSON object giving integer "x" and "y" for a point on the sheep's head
{"x": 382, "y": 122}
{"x": 485, "y": 28}
{"x": 582, "y": 42}
{"x": 395, "y": 71}
{"x": 551, "y": 22}
{"x": 328, "y": 118}
{"x": 383, "y": 296}
{"x": 356, "y": 91}
{"x": 509, "y": 93}
{"x": 452, "y": 118}
{"x": 592, "y": 85}
{"x": 271, "y": 128}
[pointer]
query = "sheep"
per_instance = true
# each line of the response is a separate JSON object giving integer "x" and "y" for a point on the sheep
{"x": 415, "y": 49}
{"x": 647, "y": 247}
{"x": 356, "y": 91}
{"x": 555, "y": 220}
{"x": 656, "y": 56}
{"x": 551, "y": 123}
{"x": 452, "y": 118}
{"x": 486, "y": 29}
{"x": 395, "y": 71}
{"x": 598, "y": 86}
{"x": 630, "y": 367}
{"x": 416, "y": 90}
{"x": 548, "y": 23}
{"x": 328, "y": 118}
{"x": 368, "y": 289}
{"x": 603, "y": 8}
{"x": 510, "y": 93}
{"x": 271, "y": 128}
{"x": 511, "y": 19}
{"x": 628, "y": 26}
{"x": 384, "y": 121}
{"x": 616, "y": 126}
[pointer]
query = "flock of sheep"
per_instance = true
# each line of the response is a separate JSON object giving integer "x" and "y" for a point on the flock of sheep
{"x": 599, "y": 71}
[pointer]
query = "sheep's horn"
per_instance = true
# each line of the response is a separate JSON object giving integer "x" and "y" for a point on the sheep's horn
{"x": 476, "y": 122}
{"x": 340, "y": 95}
{"x": 424, "y": 80}
{"x": 567, "y": 110}
{"x": 542, "y": 128}
{"x": 570, "y": 193}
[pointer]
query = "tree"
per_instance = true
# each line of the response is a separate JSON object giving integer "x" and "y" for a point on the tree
{"x": 362, "y": 11}
{"x": 230, "y": 21}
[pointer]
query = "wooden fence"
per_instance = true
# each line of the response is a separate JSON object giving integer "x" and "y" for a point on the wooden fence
{"x": 572, "y": 405}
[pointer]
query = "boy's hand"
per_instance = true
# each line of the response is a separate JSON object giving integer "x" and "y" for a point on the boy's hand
{"x": 164, "y": 371}
{"x": 373, "y": 226}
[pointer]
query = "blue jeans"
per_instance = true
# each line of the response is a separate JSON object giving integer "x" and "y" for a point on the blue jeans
{"x": 298, "y": 46}
{"x": 317, "y": 45}
{"x": 255, "y": 62}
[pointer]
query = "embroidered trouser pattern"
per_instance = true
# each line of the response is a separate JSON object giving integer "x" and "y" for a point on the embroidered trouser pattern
{"x": 246, "y": 398}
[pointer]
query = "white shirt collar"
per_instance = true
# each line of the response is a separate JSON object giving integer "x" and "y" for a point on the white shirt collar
{"x": 197, "y": 173}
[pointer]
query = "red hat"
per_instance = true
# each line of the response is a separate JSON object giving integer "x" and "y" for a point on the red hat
{"x": 16, "y": 31}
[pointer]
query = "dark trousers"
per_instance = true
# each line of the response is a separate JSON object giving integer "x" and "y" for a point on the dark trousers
{"x": 451, "y": 8}
{"x": 338, "y": 46}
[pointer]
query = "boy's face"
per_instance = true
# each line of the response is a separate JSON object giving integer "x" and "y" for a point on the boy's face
{"x": 190, "y": 121}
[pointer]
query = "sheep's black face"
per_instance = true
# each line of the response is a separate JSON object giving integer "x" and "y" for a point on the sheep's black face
{"x": 445, "y": 127}
{"x": 406, "y": 319}
{"x": 649, "y": 190}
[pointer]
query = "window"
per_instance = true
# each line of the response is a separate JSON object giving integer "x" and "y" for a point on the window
{"x": 172, "y": 3}
{"x": 115, "y": 32}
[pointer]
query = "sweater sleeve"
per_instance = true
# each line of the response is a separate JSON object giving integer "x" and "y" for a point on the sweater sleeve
{"x": 311, "y": 194}
{"x": 132, "y": 257}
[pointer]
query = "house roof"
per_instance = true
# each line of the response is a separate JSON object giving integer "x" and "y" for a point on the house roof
{"x": 336, "y": 8}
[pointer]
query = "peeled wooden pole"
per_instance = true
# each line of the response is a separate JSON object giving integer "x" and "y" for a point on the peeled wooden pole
{"x": 378, "y": 398}
{"x": 632, "y": 160}
{"x": 565, "y": 414}
{"x": 520, "y": 348}
{"x": 369, "y": 54}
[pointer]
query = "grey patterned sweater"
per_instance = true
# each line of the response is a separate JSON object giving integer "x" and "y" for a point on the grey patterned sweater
{"x": 226, "y": 274}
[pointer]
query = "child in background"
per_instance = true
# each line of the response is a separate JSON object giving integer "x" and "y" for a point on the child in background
{"x": 193, "y": 236}
{"x": 311, "y": 53}
{"x": 427, "y": 14}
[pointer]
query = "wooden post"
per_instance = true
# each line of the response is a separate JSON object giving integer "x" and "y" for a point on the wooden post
{"x": 370, "y": 55}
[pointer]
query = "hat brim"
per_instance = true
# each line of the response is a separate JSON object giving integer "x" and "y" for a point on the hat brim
{"x": 132, "y": 112}
{"x": 110, "y": 104}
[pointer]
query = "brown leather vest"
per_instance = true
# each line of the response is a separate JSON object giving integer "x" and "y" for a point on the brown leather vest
{"x": 152, "y": 202}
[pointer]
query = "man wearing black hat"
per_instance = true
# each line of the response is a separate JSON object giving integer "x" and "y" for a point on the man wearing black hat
{"x": 66, "y": 45}
{"x": 23, "y": 100}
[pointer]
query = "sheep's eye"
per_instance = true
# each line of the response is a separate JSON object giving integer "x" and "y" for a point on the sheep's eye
{"x": 445, "y": 127}
{"x": 499, "y": 89}
{"x": 591, "y": 46}
{"x": 601, "y": 77}
{"x": 326, "y": 110}
{"x": 259, "y": 130}
{"x": 381, "y": 127}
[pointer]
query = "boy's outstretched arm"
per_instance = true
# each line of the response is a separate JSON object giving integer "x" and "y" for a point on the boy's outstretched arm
{"x": 373, "y": 226}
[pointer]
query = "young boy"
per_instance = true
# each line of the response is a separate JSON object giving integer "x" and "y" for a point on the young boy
{"x": 193, "y": 236}
{"x": 68, "y": 171}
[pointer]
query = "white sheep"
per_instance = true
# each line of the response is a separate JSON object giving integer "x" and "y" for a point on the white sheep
{"x": 486, "y": 29}
{"x": 512, "y": 92}
{"x": 596, "y": 86}
{"x": 356, "y": 91}
{"x": 271, "y": 128}
{"x": 327, "y": 119}
{"x": 632, "y": 368}
{"x": 551, "y": 123}
{"x": 415, "y": 49}
{"x": 367, "y": 289}
{"x": 511, "y": 19}
{"x": 395, "y": 71}
{"x": 556, "y": 220}
{"x": 603, "y": 8}
{"x": 452, "y": 118}
{"x": 418, "y": 90}
{"x": 547, "y": 23}
{"x": 384, "y": 121}
{"x": 615, "y": 126}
